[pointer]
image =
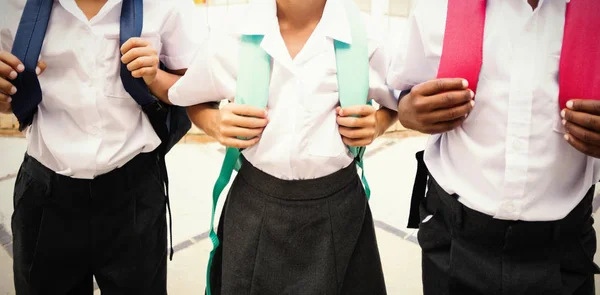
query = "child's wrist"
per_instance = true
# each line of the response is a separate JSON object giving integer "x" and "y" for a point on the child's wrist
{"x": 384, "y": 119}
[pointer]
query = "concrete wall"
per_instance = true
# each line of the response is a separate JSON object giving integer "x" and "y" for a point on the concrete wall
{"x": 8, "y": 122}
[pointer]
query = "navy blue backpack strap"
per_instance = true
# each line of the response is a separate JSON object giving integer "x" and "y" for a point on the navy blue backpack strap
{"x": 27, "y": 47}
{"x": 170, "y": 123}
{"x": 132, "y": 21}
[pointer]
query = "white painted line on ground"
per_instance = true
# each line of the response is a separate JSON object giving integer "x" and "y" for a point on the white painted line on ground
{"x": 8, "y": 176}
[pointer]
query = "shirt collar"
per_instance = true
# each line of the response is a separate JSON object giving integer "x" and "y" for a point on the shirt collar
{"x": 261, "y": 19}
{"x": 335, "y": 22}
{"x": 72, "y": 8}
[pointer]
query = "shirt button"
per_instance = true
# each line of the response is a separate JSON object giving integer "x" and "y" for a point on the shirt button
{"x": 509, "y": 207}
{"x": 530, "y": 25}
{"x": 515, "y": 144}
{"x": 518, "y": 144}
{"x": 95, "y": 129}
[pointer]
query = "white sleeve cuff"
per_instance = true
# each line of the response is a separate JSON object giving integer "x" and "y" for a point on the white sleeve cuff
{"x": 178, "y": 62}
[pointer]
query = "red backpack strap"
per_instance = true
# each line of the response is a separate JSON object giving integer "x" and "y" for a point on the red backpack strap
{"x": 462, "y": 54}
{"x": 579, "y": 76}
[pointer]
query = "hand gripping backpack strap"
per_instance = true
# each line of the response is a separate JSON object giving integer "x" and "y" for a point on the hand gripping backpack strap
{"x": 254, "y": 77}
{"x": 462, "y": 52}
{"x": 462, "y": 56}
{"x": 27, "y": 47}
{"x": 132, "y": 22}
{"x": 353, "y": 74}
{"x": 131, "y": 25}
{"x": 579, "y": 72}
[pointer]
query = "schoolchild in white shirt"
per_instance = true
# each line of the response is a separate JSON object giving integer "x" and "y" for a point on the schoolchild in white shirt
{"x": 90, "y": 195}
{"x": 511, "y": 98}
{"x": 296, "y": 219}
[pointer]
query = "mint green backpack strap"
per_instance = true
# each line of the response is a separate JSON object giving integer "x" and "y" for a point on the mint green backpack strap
{"x": 353, "y": 73}
{"x": 253, "y": 81}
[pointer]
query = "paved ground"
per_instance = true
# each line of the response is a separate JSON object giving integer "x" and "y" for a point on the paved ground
{"x": 390, "y": 167}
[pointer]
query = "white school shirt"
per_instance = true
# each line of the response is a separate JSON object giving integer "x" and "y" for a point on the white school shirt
{"x": 301, "y": 140}
{"x": 87, "y": 124}
{"x": 509, "y": 159}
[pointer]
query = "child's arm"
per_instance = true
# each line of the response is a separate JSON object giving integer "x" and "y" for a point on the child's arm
{"x": 181, "y": 35}
{"x": 10, "y": 66}
{"x": 410, "y": 63}
{"x": 581, "y": 119}
{"x": 436, "y": 106}
{"x": 142, "y": 61}
{"x": 385, "y": 119}
{"x": 430, "y": 105}
{"x": 361, "y": 125}
{"x": 163, "y": 82}
{"x": 229, "y": 123}
{"x": 200, "y": 84}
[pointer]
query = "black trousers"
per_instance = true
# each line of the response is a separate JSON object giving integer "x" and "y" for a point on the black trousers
{"x": 112, "y": 227}
{"x": 467, "y": 252}
{"x": 304, "y": 237}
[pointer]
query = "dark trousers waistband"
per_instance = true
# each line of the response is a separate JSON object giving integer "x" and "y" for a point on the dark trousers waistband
{"x": 485, "y": 227}
{"x": 127, "y": 176}
{"x": 306, "y": 189}
{"x": 464, "y": 216}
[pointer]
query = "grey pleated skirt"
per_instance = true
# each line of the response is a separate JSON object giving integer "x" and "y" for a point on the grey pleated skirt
{"x": 296, "y": 237}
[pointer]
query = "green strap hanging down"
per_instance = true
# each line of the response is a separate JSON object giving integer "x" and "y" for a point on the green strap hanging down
{"x": 252, "y": 88}
{"x": 253, "y": 83}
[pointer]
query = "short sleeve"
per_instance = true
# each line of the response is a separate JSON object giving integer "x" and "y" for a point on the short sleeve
{"x": 379, "y": 63}
{"x": 410, "y": 62}
{"x": 182, "y": 34}
{"x": 9, "y": 20}
{"x": 211, "y": 77}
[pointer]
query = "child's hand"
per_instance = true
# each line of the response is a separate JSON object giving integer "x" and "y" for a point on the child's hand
{"x": 141, "y": 59}
{"x": 357, "y": 124}
{"x": 436, "y": 106}
{"x": 10, "y": 66}
{"x": 581, "y": 119}
{"x": 240, "y": 121}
